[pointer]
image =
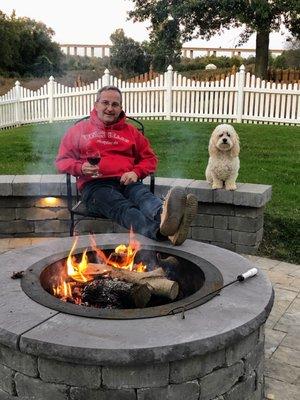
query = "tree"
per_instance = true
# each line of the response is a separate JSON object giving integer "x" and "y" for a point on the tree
{"x": 7, "y": 39}
{"x": 205, "y": 18}
{"x": 127, "y": 55}
{"x": 27, "y": 47}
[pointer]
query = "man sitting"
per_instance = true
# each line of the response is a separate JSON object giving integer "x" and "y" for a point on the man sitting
{"x": 112, "y": 188}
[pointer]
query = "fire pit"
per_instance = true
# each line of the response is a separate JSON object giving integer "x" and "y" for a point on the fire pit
{"x": 187, "y": 349}
{"x": 181, "y": 282}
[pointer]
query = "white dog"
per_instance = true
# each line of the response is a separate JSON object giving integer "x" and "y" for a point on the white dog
{"x": 223, "y": 164}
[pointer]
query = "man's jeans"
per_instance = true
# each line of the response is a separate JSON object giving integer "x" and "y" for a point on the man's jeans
{"x": 132, "y": 205}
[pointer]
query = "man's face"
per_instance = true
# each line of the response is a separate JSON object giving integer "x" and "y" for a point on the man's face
{"x": 109, "y": 106}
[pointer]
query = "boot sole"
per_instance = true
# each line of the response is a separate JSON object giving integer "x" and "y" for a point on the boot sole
{"x": 188, "y": 216}
{"x": 175, "y": 206}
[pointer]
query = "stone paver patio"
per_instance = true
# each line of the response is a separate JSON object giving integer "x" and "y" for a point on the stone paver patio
{"x": 282, "y": 372}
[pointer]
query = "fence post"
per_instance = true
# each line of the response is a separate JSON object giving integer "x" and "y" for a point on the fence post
{"x": 50, "y": 98}
{"x": 168, "y": 86}
{"x": 106, "y": 78}
{"x": 18, "y": 103}
{"x": 240, "y": 94}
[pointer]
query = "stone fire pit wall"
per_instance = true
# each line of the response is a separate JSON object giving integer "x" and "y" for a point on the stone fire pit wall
{"x": 232, "y": 220}
{"x": 215, "y": 353}
{"x": 231, "y": 373}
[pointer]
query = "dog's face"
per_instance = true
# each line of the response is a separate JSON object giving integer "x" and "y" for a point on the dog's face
{"x": 224, "y": 138}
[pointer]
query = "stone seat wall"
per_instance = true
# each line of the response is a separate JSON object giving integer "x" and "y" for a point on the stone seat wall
{"x": 229, "y": 219}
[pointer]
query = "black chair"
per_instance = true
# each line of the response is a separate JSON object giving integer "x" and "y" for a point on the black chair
{"x": 78, "y": 207}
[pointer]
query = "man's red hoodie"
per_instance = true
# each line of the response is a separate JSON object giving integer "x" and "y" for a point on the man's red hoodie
{"x": 122, "y": 149}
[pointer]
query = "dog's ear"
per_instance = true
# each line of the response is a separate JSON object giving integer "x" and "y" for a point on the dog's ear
{"x": 235, "y": 151}
{"x": 212, "y": 148}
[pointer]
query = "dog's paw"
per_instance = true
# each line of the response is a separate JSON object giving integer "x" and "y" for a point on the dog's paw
{"x": 230, "y": 186}
{"x": 217, "y": 186}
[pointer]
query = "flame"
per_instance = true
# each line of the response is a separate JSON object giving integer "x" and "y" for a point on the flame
{"x": 63, "y": 290}
{"x": 76, "y": 270}
{"x": 122, "y": 257}
{"x": 126, "y": 254}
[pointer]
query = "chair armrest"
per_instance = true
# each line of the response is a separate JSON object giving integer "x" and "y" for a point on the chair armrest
{"x": 152, "y": 182}
{"x": 69, "y": 192}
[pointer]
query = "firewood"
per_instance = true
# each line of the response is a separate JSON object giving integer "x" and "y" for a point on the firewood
{"x": 111, "y": 293}
{"x": 155, "y": 280}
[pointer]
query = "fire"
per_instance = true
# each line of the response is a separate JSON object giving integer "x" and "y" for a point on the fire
{"x": 76, "y": 270}
{"x": 63, "y": 290}
{"x": 122, "y": 257}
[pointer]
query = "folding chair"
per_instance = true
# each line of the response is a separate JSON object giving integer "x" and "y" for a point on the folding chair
{"x": 79, "y": 207}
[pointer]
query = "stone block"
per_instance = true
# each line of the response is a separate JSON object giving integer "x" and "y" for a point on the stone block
{"x": 62, "y": 213}
{"x": 17, "y": 226}
{"x": 222, "y": 236}
{"x": 5, "y": 395}
{"x": 69, "y": 374}
{"x": 216, "y": 209}
{"x": 241, "y": 249}
{"x": 249, "y": 212}
{"x": 252, "y": 195}
{"x": 18, "y": 361}
{"x": 64, "y": 185}
{"x": 242, "y": 390}
{"x": 182, "y": 182}
{"x": 6, "y": 184}
{"x": 119, "y": 229}
{"x": 245, "y": 224}
{"x": 77, "y": 393}
{"x": 223, "y": 196}
{"x": 135, "y": 376}
{"x": 242, "y": 348}
{"x": 221, "y": 222}
{"x": 162, "y": 186}
{"x": 202, "y": 190}
{"x": 203, "y": 220}
{"x": 15, "y": 202}
{"x": 51, "y": 185}
{"x": 186, "y": 390}
{"x": 199, "y": 233}
{"x": 254, "y": 357}
{"x": 51, "y": 226}
{"x": 95, "y": 226}
{"x": 36, "y": 389}
{"x": 8, "y": 214}
{"x": 27, "y": 185}
{"x": 35, "y": 214}
{"x": 247, "y": 238}
{"x": 6, "y": 379}
{"x": 192, "y": 368}
{"x": 220, "y": 381}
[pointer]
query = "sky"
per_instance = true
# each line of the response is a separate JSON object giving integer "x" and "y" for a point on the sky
{"x": 93, "y": 21}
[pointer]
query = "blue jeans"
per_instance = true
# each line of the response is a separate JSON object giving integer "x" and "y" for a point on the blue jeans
{"x": 132, "y": 205}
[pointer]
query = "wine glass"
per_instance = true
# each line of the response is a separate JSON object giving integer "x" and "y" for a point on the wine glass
{"x": 93, "y": 157}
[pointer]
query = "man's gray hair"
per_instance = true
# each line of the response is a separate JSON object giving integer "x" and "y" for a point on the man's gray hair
{"x": 106, "y": 88}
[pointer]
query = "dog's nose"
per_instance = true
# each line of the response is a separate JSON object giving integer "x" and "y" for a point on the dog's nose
{"x": 224, "y": 140}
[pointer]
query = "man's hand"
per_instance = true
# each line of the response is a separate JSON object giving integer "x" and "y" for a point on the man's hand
{"x": 89, "y": 170}
{"x": 128, "y": 177}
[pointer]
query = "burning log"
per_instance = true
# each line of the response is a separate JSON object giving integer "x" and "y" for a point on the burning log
{"x": 155, "y": 280}
{"x": 116, "y": 294}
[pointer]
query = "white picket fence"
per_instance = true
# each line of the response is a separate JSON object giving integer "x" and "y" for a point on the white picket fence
{"x": 237, "y": 98}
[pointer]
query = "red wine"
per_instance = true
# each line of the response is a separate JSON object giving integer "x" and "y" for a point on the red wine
{"x": 93, "y": 160}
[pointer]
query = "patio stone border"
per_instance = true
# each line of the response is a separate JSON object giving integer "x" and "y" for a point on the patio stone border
{"x": 229, "y": 219}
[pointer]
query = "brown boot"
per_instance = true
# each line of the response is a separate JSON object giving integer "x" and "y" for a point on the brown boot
{"x": 189, "y": 214}
{"x": 173, "y": 208}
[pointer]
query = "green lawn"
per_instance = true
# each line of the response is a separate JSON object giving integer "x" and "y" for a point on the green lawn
{"x": 269, "y": 155}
